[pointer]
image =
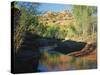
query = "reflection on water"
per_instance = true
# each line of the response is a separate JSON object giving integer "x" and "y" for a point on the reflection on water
{"x": 54, "y": 61}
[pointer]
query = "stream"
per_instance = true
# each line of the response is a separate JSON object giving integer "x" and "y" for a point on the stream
{"x": 61, "y": 66}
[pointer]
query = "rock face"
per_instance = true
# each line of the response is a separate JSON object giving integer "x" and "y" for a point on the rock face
{"x": 78, "y": 49}
{"x": 69, "y": 46}
{"x": 89, "y": 52}
{"x": 56, "y": 18}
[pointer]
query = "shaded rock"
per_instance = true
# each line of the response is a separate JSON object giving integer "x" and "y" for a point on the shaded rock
{"x": 87, "y": 50}
{"x": 69, "y": 46}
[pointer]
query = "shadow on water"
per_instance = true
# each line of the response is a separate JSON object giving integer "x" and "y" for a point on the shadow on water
{"x": 28, "y": 56}
{"x": 69, "y": 46}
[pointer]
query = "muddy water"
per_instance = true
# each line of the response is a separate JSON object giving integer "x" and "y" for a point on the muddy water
{"x": 54, "y": 61}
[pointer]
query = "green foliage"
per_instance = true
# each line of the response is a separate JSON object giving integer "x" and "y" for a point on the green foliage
{"x": 71, "y": 31}
{"x": 86, "y": 20}
{"x": 56, "y": 32}
{"x": 23, "y": 22}
{"x": 28, "y": 20}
